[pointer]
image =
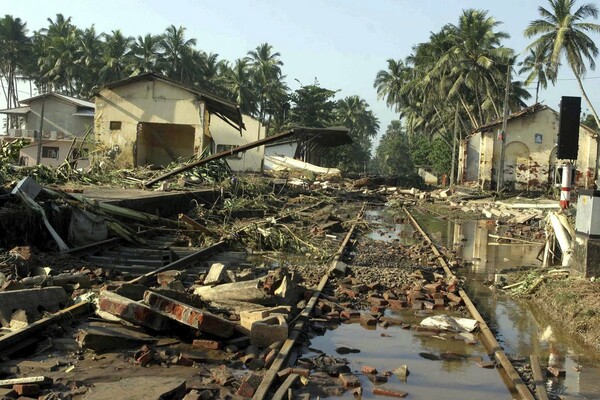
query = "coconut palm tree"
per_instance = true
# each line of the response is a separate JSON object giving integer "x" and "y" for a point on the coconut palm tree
{"x": 89, "y": 61}
{"x": 116, "y": 56}
{"x": 14, "y": 55}
{"x": 238, "y": 81}
{"x": 176, "y": 49}
{"x": 389, "y": 83}
{"x": 147, "y": 54}
{"x": 538, "y": 68}
{"x": 563, "y": 29}
{"x": 267, "y": 77}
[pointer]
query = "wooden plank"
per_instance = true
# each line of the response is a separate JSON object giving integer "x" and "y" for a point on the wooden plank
{"x": 282, "y": 392}
{"x": 538, "y": 378}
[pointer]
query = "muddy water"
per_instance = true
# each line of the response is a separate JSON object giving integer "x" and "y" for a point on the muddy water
{"x": 519, "y": 327}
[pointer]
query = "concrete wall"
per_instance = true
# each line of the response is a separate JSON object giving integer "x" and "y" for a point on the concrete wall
{"x": 58, "y": 116}
{"x": 29, "y": 154}
{"x": 224, "y": 134}
{"x": 286, "y": 149}
{"x": 530, "y": 154}
{"x": 151, "y": 101}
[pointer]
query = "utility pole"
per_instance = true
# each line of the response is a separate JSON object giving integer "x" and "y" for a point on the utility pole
{"x": 40, "y": 136}
{"x": 454, "y": 145}
{"x": 500, "y": 172}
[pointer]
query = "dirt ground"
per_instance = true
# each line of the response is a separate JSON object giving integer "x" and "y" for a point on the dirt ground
{"x": 574, "y": 304}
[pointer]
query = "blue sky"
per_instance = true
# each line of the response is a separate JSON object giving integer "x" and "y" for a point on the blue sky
{"x": 342, "y": 43}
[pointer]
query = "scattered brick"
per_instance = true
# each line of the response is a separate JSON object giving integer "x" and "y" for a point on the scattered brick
{"x": 249, "y": 385}
{"x": 383, "y": 391}
{"x": 349, "y": 380}
{"x": 27, "y": 389}
{"x": 206, "y": 344}
{"x": 368, "y": 369}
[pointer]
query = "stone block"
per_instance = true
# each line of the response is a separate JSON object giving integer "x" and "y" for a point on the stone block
{"x": 268, "y": 331}
{"x": 217, "y": 275}
{"x": 349, "y": 380}
{"x": 247, "y": 318}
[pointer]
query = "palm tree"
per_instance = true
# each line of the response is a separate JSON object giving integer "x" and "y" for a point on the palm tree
{"x": 563, "y": 30}
{"x": 238, "y": 80}
{"x": 176, "y": 48}
{"x": 537, "y": 65}
{"x": 116, "y": 57}
{"x": 147, "y": 54}
{"x": 267, "y": 76}
{"x": 14, "y": 55}
{"x": 89, "y": 61}
{"x": 389, "y": 83}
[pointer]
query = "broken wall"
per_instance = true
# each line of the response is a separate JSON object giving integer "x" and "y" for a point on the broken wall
{"x": 226, "y": 137}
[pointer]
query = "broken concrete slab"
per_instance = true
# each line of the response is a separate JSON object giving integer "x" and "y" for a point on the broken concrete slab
{"x": 269, "y": 330}
{"x": 145, "y": 387}
{"x": 217, "y": 275}
{"x": 248, "y": 317}
{"x": 248, "y": 291}
{"x": 102, "y": 336}
{"x": 69, "y": 281}
{"x": 131, "y": 311}
{"x": 33, "y": 301}
{"x": 188, "y": 315}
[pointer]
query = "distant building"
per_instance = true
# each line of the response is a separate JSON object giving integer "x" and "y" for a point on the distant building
{"x": 226, "y": 137}
{"x": 66, "y": 121}
{"x": 530, "y": 161}
{"x": 149, "y": 119}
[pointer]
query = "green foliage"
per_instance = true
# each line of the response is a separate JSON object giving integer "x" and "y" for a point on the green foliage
{"x": 435, "y": 153}
{"x": 392, "y": 157}
{"x": 312, "y": 106}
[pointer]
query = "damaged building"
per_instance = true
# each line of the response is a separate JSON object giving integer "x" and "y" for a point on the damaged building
{"x": 149, "y": 119}
{"x": 66, "y": 120}
{"x": 530, "y": 161}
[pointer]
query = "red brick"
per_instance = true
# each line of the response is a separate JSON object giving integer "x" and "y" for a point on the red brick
{"x": 377, "y": 378}
{"x": 27, "y": 390}
{"x": 391, "y": 320}
{"x": 453, "y": 297}
{"x": 349, "y": 314}
{"x": 348, "y": 292}
{"x": 374, "y": 286}
{"x": 377, "y": 309}
{"x": 383, "y": 391}
{"x": 368, "y": 320}
{"x": 249, "y": 386}
{"x": 397, "y": 304}
{"x": 433, "y": 287}
{"x": 377, "y": 301}
{"x": 186, "y": 362}
{"x": 368, "y": 369}
{"x": 389, "y": 296}
{"x": 486, "y": 364}
{"x": 556, "y": 372}
{"x": 349, "y": 380}
{"x": 132, "y": 311}
{"x": 191, "y": 316}
{"x": 206, "y": 344}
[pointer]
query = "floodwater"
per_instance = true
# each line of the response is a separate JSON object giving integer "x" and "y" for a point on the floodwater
{"x": 519, "y": 327}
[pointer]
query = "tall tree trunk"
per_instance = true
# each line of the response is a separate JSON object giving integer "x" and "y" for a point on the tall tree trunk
{"x": 471, "y": 117}
{"x": 537, "y": 91}
{"x": 587, "y": 100}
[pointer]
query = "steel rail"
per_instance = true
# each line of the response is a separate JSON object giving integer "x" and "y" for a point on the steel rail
{"x": 514, "y": 382}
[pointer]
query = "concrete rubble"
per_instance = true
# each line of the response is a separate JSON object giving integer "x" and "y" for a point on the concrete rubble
{"x": 179, "y": 321}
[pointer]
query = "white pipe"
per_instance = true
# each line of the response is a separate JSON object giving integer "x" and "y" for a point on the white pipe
{"x": 565, "y": 190}
{"x": 563, "y": 239}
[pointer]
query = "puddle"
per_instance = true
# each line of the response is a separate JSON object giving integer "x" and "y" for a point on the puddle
{"x": 428, "y": 379}
{"x": 519, "y": 326}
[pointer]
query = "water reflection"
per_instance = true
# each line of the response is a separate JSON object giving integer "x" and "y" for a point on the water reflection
{"x": 520, "y": 327}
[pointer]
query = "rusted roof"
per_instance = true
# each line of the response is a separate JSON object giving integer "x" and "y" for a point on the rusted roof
{"x": 523, "y": 112}
{"x": 224, "y": 109}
